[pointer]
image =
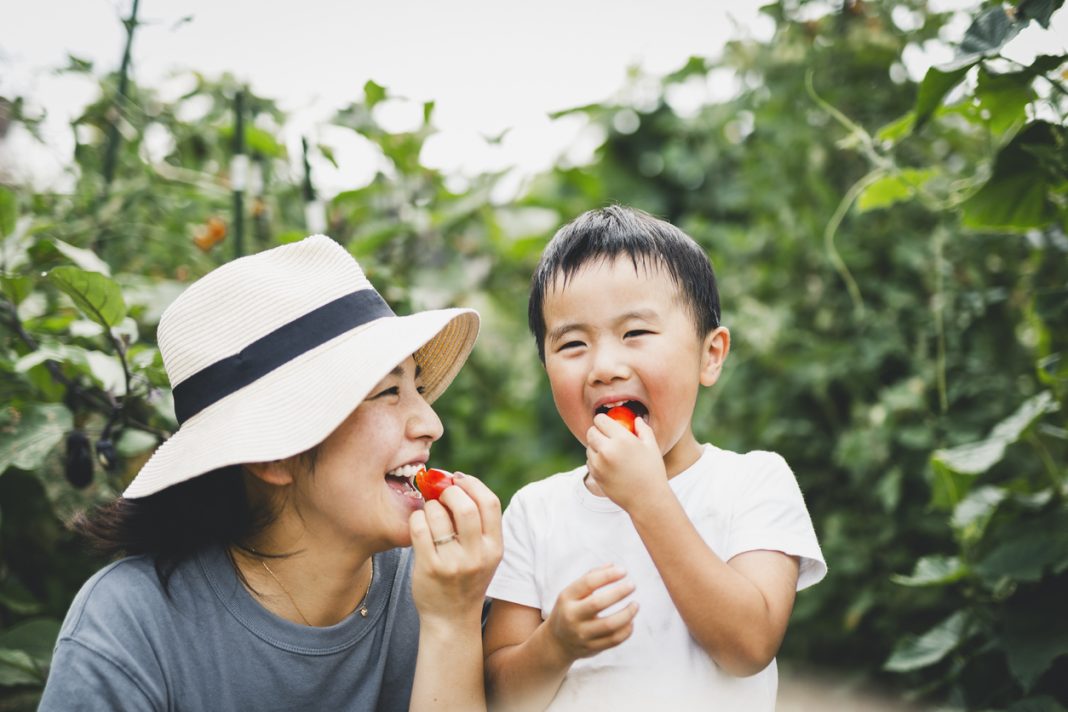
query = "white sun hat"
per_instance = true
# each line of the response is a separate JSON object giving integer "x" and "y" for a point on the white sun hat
{"x": 268, "y": 354}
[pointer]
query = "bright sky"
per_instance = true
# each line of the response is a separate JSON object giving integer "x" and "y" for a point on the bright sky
{"x": 489, "y": 65}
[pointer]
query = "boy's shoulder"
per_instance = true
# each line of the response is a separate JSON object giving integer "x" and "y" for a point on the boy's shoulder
{"x": 553, "y": 486}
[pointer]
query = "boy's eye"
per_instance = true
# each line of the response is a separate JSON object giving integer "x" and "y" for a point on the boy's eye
{"x": 570, "y": 345}
{"x": 637, "y": 332}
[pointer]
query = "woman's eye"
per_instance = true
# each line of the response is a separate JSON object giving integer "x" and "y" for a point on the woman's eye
{"x": 394, "y": 391}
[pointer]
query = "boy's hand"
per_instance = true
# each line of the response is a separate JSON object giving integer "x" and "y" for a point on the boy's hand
{"x": 575, "y": 621}
{"x": 628, "y": 469}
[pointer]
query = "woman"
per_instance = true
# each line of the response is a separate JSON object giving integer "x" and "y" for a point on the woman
{"x": 276, "y": 555}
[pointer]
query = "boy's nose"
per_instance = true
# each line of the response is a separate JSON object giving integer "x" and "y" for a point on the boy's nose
{"x": 607, "y": 365}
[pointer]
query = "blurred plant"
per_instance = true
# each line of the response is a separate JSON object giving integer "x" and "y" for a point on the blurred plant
{"x": 891, "y": 259}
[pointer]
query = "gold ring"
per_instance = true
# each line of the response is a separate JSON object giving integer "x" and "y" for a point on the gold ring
{"x": 445, "y": 539}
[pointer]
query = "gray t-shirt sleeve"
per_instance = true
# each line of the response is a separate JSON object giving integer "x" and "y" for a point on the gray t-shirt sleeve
{"x": 91, "y": 681}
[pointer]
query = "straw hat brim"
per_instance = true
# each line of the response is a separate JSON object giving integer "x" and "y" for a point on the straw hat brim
{"x": 296, "y": 406}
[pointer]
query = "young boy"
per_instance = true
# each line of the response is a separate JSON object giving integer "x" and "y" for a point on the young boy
{"x": 661, "y": 574}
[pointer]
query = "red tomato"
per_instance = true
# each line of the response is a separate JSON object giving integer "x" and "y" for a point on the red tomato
{"x": 624, "y": 416}
{"x": 432, "y": 482}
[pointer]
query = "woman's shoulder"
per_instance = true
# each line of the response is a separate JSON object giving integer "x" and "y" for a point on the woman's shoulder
{"x": 115, "y": 592}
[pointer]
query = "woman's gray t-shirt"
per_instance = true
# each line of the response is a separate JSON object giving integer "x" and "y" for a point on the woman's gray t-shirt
{"x": 127, "y": 645}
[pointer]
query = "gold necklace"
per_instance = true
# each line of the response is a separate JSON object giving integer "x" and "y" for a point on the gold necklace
{"x": 361, "y": 606}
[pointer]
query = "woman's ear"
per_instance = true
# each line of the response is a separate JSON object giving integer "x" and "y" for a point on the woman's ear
{"x": 274, "y": 472}
{"x": 714, "y": 350}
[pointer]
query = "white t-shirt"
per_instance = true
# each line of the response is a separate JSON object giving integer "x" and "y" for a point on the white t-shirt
{"x": 556, "y": 530}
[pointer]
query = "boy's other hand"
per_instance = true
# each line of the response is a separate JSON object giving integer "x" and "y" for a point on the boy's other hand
{"x": 575, "y": 622}
{"x": 628, "y": 468}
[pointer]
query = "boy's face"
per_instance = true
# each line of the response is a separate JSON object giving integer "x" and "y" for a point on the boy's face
{"x": 615, "y": 333}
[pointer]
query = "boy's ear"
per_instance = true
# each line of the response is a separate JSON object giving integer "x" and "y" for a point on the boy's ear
{"x": 274, "y": 472}
{"x": 714, "y": 350}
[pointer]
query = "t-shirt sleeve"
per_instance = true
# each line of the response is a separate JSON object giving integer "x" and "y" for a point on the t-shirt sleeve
{"x": 514, "y": 580}
{"x": 771, "y": 514}
{"x": 84, "y": 679}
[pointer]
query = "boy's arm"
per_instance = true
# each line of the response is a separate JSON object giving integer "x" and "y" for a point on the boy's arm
{"x": 737, "y": 611}
{"x": 527, "y": 657}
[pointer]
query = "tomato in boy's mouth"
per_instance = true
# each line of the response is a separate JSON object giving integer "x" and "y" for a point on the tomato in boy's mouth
{"x": 637, "y": 407}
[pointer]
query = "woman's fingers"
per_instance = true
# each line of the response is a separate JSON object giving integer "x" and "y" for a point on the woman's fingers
{"x": 475, "y": 510}
{"x": 439, "y": 523}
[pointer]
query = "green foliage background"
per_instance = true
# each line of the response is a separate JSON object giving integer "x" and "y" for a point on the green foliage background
{"x": 892, "y": 259}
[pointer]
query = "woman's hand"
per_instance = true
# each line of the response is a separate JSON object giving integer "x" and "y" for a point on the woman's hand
{"x": 457, "y": 543}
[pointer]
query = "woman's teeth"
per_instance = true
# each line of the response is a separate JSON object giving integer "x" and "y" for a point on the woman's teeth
{"x": 405, "y": 471}
{"x": 404, "y": 476}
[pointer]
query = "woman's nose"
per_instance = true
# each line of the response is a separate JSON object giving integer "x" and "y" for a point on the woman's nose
{"x": 424, "y": 422}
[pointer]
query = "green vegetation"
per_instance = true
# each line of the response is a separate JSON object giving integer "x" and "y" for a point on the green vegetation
{"x": 893, "y": 260}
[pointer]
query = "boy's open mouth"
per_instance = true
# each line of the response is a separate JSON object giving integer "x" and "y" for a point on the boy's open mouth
{"x": 636, "y": 407}
{"x": 401, "y": 480}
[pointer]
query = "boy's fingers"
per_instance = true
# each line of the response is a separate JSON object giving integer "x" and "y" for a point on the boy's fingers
{"x": 607, "y": 596}
{"x": 589, "y": 582}
{"x": 644, "y": 431}
{"x": 609, "y": 626}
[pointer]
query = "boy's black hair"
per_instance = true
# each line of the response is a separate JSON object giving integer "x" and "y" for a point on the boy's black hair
{"x": 620, "y": 230}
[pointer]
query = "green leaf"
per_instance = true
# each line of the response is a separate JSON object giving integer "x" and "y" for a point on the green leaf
{"x": 28, "y": 437}
{"x": 373, "y": 93}
{"x": 893, "y": 188}
{"x": 428, "y": 112}
{"x": 8, "y": 211}
{"x": 989, "y": 32}
{"x": 978, "y": 457}
{"x": 933, "y": 571}
{"x": 16, "y": 288}
{"x": 1041, "y": 703}
{"x": 934, "y": 87}
{"x": 948, "y": 487}
{"x": 897, "y": 129}
{"x": 26, "y": 650}
{"x": 85, "y": 259}
{"x": 1038, "y": 10}
{"x": 1027, "y": 547}
{"x": 78, "y": 65}
{"x": 36, "y": 637}
{"x": 17, "y": 598}
{"x": 18, "y": 668}
{"x": 95, "y": 295}
{"x": 972, "y": 514}
{"x": 259, "y": 141}
{"x": 1035, "y": 633}
{"x": 1005, "y": 97}
{"x": 1017, "y": 195}
{"x": 915, "y": 652}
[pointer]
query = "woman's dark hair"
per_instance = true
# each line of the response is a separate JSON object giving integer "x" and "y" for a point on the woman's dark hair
{"x": 175, "y": 523}
{"x": 620, "y": 230}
